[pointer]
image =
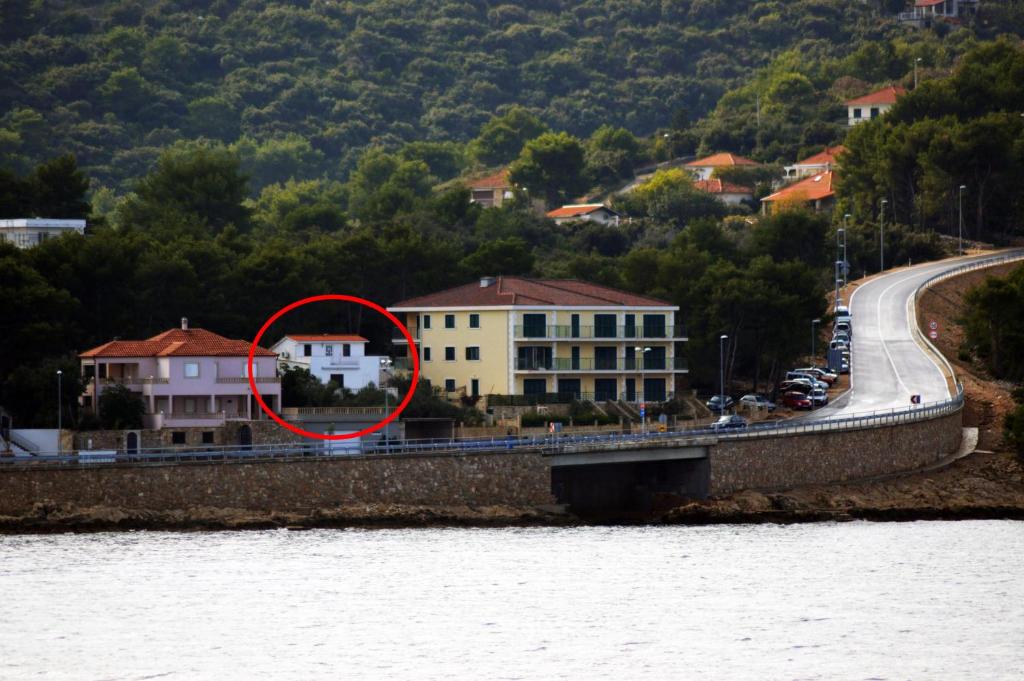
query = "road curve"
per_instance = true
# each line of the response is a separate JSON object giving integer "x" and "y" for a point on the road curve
{"x": 887, "y": 364}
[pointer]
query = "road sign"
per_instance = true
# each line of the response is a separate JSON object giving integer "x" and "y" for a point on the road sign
{"x": 915, "y": 399}
{"x": 643, "y": 409}
{"x": 933, "y": 334}
{"x": 933, "y": 325}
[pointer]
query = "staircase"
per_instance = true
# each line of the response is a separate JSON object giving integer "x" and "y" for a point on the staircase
{"x": 623, "y": 410}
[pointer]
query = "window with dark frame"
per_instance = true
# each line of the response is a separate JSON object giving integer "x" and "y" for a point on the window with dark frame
{"x": 473, "y": 353}
{"x": 449, "y": 321}
{"x": 474, "y": 321}
{"x": 449, "y": 354}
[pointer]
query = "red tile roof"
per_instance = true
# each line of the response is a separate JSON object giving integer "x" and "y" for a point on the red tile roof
{"x": 178, "y": 343}
{"x": 333, "y": 338}
{"x": 724, "y": 159}
{"x": 498, "y": 180}
{"x": 509, "y": 291}
{"x": 927, "y": 3}
{"x": 812, "y": 188}
{"x": 716, "y": 186}
{"x": 827, "y": 157}
{"x": 887, "y": 95}
{"x": 577, "y": 210}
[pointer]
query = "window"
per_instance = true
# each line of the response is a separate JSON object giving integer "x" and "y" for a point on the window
{"x": 474, "y": 387}
{"x": 449, "y": 354}
{"x": 534, "y": 326}
{"x": 473, "y": 353}
{"x": 604, "y": 326}
{"x": 874, "y": 111}
{"x": 346, "y": 350}
{"x": 190, "y": 405}
{"x": 307, "y": 350}
{"x": 449, "y": 321}
{"x": 329, "y": 350}
{"x": 338, "y": 380}
{"x": 426, "y": 354}
{"x": 857, "y": 113}
{"x": 654, "y": 326}
{"x": 191, "y": 369}
{"x": 207, "y": 437}
{"x": 178, "y": 437}
{"x": 449, "y": 385}
{"x": 474, "y": 321}
{"x": 630, "y": 326}
{"x": 426, "y": 321}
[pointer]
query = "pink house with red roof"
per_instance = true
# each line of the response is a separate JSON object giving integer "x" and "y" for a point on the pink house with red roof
{"x": 186, "y": 377}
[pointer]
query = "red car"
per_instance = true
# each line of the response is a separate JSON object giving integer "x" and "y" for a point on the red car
{"x": 796, "y": 400}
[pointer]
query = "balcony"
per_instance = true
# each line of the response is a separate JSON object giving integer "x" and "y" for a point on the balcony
{"x": 610, "y": 332}
{"x": 242, "y": 379}
{"x": 614, "y": 364}
{"x": 398, "y": 339}
{"x": 540, "y": 399}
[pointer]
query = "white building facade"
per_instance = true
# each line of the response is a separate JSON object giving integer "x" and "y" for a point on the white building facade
{"x": 29, "y": 232}
{"x": 338, "y": 358}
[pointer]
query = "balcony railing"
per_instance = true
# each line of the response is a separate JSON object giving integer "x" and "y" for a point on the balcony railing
{"x": 242, "y": 379}
{"x": 569, "y": 397}
{"x": 599, "y": 332}
{"x": 397, "y": 337}
{"x": 129, "y": 380}
{"x": 602, "y": 364}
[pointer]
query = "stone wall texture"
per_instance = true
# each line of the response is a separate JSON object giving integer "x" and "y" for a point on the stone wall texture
{"x": 521, "y": 479}
{"x": 773, "y": 463}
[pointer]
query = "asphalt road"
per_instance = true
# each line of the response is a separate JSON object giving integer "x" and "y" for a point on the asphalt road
{"x": 887, "y": 363}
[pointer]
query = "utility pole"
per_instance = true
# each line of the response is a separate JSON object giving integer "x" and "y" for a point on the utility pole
{"x": 881, "y": 237}
{"x": 60, "y": 410}
{"x": 814, "y": 333}
{"x": 963, "y": 188}
{"x": 721, "y": 373}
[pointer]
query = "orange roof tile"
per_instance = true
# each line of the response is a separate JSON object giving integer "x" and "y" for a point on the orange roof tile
{"x": 812, "y": 188}
{"x": 827, "y": 157}
{"x": 723, "y": 159}
{"x": 498, "y": 180}
{"x": 178, "y": 343}
{"x": 576, "y": 210}
{"x": 333, "y": 338}
{"x": 887, "y": 95}
{"x": 510, "y": 291}
{"x": 716, "y": 186}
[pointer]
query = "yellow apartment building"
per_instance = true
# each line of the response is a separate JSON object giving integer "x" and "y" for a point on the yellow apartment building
{"x": 546, "y": 340}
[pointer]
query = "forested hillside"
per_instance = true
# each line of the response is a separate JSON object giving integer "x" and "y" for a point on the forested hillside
{"x": 299, "y": 89}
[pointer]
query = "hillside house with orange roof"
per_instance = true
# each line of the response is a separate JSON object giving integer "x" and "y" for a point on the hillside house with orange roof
{"x": 924, "y": 12}
{"x": 186, "y": 377}
{"x": 816, "y": 164}
{"x": 816, "y": 192}
{"x": 491, "y": 191}
{"x": 340, "y": 358}
{"x": 726, "y": 192}
{"x": 592, "y": 212}
{"x": 873, "y": 104}
{"x": 703, "y": 168}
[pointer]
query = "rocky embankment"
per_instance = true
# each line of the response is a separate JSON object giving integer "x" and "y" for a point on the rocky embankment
{"x": 49, "y": 518}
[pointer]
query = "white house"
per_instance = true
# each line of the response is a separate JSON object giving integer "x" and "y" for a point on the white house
{"x": 873, "y": 104}
{"x": 338, "y": 358}
{"x": 815, "y": 165}
{"x": 926, "y": 11}
{"x": 728, "y": 193}
{"x": 704, "y": 168}
{"x": 594, "y": 212}
{"x": 29, "y": 232}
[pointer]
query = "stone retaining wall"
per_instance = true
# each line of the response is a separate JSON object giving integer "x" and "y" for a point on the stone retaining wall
{"x": 772, "y": 463}
{"x": 521, "y": 479}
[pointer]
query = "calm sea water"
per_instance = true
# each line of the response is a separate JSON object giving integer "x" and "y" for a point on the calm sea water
{"x": 924, "y": 600}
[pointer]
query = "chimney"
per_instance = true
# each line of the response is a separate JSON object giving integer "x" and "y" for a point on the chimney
{"x": 184, "y": 323}
{"x": 487, "y": 281}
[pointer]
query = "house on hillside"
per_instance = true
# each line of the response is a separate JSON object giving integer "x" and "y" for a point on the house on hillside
{"x": 340, "y": 358}
{"x": 592, "y": 212}
{"x": 924, "y": 12}
{"x": 29, "y": 232}
{"x": 491, "y": 191}
{"x": 872, "y": 105}
{"x": 729, "y": 194}
{"x": 815, "y": 165}
{"x": 703, "y": 168}
{"x": 546, "y": 340}
{"x": 816, "y": 192}
{"x": 185, "y": 377}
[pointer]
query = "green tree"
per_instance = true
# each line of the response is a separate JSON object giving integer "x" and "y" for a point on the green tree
{"x": 551, "y": 166}
{"x": 59, "y": 189}
{"x": 120, "y": 408}
{"x": 502, "y": 138}
{"x": 299, "y": 388}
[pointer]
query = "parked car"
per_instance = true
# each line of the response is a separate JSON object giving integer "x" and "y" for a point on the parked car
{"x": 843, "y": 314}
{"x": 838, "y": 343}
{"x": 796, "y": 400}
{"x": 819, "y": 374}
{"x": 714, "y": 404}
{"x": 815, "y": 383}
{"x": 844, "y": 327}
{"x": 730, "y": 422}
{"x": 755, "y": 401}
{"x": 819, "y": 397}
{"x": 800, "y": 385}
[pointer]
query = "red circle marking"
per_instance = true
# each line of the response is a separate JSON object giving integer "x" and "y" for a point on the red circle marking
{"x": 348, "y": 299}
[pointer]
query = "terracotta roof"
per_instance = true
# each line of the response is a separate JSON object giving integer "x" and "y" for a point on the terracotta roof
{"x": 333, "y": 338}
{"x": 812, "y": 188}
{"x": 927, "y": 3}
{"x": 576, "y": 210}
{"x": 887, "y": 95}
{"x": 716, "y": 186}
{"x": 508, "y": 291}
{"x": 178, "y": 343}
{"x": 827, "y": 157}
{"x": 498, "y": 180}
{"x": 718, "y": 160}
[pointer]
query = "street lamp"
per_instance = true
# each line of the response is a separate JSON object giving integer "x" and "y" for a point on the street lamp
{"x": 846, "y": 260}
{"x": 963, "y": 188}
{"x": 385, "y": 366}
{"x": 916, "y": 62}
{"x": 642, "y": 353}
{"x": 837, "y": 268}
{"x": 60, "y": 409}
{"x": 881, "y": 236}
{"x": 721, "y": 373}
{"x": 814, "y": 325}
